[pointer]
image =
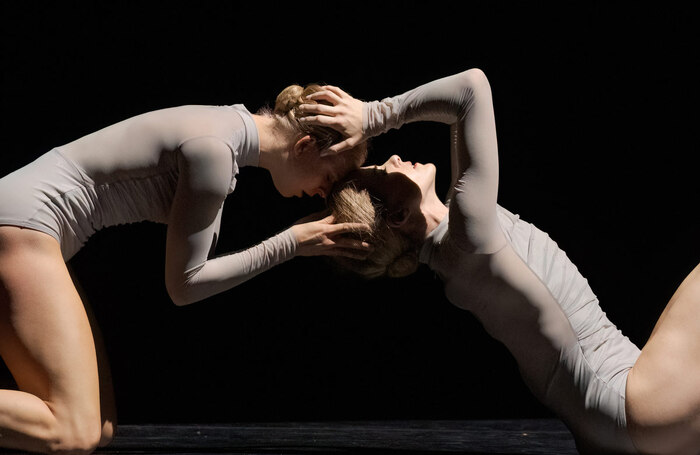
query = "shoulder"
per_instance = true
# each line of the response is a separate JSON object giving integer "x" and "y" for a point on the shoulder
{"x": 207, "y": 163}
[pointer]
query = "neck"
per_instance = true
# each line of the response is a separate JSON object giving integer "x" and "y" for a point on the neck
{"x": 273, "y": 144}
{"x": 434, "y": 211}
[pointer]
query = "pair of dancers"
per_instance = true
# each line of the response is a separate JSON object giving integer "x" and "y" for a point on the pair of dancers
{"x": 177, "y": 165}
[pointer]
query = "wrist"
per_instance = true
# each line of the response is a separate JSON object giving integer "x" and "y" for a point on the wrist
{"x": 374, "y": 116}
{"x": 287, "y": 242}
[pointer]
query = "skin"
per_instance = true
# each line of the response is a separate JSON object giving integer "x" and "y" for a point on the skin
{"x": 421, "y": 211}
{"x": 663, "y": 387}
{"x": 297, "y": 166}
{"x": 65, "y": 401}
{"x": 47, "y": 343}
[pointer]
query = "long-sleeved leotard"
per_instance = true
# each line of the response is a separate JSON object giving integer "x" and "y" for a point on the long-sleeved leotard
{"x": 518, "y": 283}
{"x": 173, "y": 166}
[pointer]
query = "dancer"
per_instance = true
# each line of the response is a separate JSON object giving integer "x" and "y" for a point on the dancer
{"x": 173, "y": 166}
{"x": 513, "y": 277}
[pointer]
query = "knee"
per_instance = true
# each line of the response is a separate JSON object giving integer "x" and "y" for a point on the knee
{"x": 79, "y": 433}
{"x": 75, "y": 440}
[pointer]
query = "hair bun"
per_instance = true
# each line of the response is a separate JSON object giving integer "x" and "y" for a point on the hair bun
{"x": 289, "y": 99}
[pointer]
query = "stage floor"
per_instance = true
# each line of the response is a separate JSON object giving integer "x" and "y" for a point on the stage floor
{"x": 538, "y": 436}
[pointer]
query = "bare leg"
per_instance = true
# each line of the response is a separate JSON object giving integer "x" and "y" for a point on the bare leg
{"x": 663, "y": 388}
{"x": 108, "y": 408}
{"x": 47, "y": 344}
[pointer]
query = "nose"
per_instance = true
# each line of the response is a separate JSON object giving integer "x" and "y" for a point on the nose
{"x": 397, "y": 163}
{"x": 394, "y": 160}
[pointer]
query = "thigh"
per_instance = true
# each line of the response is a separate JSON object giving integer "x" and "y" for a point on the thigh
{"x": 45, "y": 335}
{"x": 663, "y": 387}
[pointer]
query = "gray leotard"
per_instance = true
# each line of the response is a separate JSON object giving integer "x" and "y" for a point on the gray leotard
{"x": 519, "y": 284}
{"x": 173, "y": 166}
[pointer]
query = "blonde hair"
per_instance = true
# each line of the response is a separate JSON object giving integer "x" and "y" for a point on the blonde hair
{"x": 395, "y": 254}
{"x": 288, "y": 112}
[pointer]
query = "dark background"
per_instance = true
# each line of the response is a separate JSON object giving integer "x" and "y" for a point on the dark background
{"x": 596, "y": 115}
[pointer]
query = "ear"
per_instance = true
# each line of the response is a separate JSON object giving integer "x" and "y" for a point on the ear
{"x": 304, "y": 146}
{"x": 398, "y": 217}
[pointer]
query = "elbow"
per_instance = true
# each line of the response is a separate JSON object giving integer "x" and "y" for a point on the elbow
{"x": 178, "y": 298}
{"x": 179, "y": 294}
{"x": 475, "y": 81}
{"x": 182, "y": 287}
{"x": 474, "y": 86}
{"x": 475, "y": 76}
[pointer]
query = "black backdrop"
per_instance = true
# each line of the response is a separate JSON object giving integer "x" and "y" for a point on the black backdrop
{"x": 597, "y": 137}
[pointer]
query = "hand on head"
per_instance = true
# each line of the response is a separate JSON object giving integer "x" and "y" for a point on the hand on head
{"x": 320, "y": 236}
{"x": 344, "y": 114}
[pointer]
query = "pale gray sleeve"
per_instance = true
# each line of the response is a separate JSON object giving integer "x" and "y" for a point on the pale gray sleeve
{"x": 191, "y": 275}
{"x": 464, "y": 102}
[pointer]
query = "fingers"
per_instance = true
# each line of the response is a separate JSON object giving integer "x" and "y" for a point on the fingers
{"x": 351, "y": 248}
{"x": 353, "y": 244}
{"x": 339, "y": 228}
{"x": 326, "y": 95}
{"x": 344, "y": 228}
{"x": 340, "y": 244}
{"x": 323, "y": 115}
{"x": 323, "y": 109}
{"x": 337, "y": 90}
{"x": 344, "y": 114}
{"x": 322, "y": 120}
